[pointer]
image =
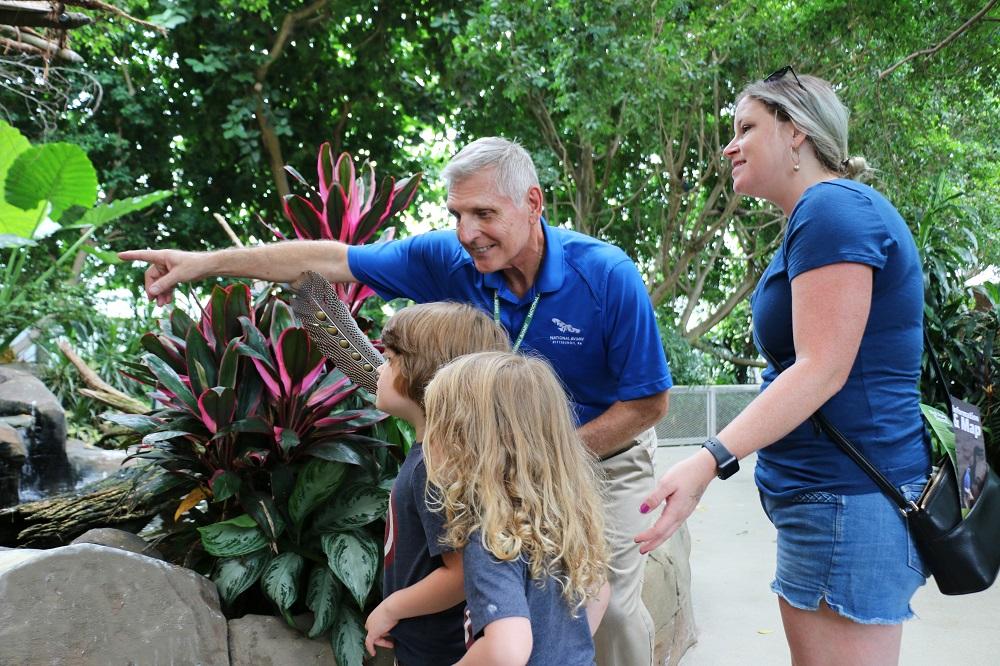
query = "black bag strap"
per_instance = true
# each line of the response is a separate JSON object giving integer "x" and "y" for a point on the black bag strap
{"x": 845, "y": 445}
{"x": 937, "y": 372}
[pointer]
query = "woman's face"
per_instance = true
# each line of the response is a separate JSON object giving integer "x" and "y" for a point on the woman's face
{"x": 761, "y": 151}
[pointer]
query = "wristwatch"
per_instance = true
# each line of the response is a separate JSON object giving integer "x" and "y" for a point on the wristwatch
{"x": 726, "y": 463}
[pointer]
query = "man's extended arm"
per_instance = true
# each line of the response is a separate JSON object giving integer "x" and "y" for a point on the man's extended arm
{"x": 276, "y": 262}
{"x": 622, "y": 422}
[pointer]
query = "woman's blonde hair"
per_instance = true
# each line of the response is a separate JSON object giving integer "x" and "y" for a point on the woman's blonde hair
{"x": 503, "y": 457}
{"x": 424, "y": 337}
{"x": 811, "y": 104}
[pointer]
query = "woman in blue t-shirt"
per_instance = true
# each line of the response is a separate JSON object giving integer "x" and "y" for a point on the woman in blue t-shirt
{"x": 841, "y": 307}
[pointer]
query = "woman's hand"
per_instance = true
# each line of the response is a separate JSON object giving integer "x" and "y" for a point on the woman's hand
{"x": 679, "y": 489}
{"x": 378, "y": 624}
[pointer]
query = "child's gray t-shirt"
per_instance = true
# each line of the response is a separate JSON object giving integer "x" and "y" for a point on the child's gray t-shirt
{"x": 495, "y": 589}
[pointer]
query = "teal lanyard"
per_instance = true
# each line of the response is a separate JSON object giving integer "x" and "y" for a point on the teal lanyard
{"x": 527, "y": 320}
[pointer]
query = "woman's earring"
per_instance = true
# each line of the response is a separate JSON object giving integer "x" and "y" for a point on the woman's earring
{"x": 795, "y": 160}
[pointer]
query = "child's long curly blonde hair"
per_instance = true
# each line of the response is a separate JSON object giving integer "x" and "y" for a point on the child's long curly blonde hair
{"x": 504, "y": 458}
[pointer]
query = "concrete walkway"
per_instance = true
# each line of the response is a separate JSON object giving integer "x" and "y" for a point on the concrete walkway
{"x": 736, "y": 614}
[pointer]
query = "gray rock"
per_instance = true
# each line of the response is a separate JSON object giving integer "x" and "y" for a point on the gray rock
{"x": 88, "y": 605}
{"x": 12, "y": 455}
{"x": 667, "y": 594}
{"x": 265, "y": 640}
{"x": 120, "y": 539}
{"x": 22, "y": 393}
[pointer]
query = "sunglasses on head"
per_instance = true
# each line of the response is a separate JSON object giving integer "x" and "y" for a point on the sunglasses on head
{"x": 779, "y": 74}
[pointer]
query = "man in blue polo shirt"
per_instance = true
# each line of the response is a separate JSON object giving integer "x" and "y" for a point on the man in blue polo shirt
{"x": 574, "y": 300}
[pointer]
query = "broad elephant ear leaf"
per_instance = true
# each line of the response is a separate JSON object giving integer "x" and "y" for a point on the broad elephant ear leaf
{"x": 60, "y": 173}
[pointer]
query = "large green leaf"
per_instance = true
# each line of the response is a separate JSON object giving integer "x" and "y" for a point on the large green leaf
{"x": 316, "y": 483}
{"x": 230, "y": 538}
{"x": 354, "y": 506}
{"x": 224, "y": 486}
{"x": 201, "y": 363}
{"x": 14, "y": 222}
{"x": 280, "y": 581}
{"x": 106, "y": 212}
{"x": 236, "y": 574}
{"x": 322, "y": 598}
{"x": 60, "y": 173}
{"x": 353, "y": 558}
{"x": 348, "y": 637}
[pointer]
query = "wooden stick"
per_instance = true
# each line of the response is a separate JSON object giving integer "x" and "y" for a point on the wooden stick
{"x": 100, "y": 389}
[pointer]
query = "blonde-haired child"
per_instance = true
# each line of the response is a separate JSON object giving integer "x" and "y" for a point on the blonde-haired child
{"x": 422, "y": 612}
{"x": 519, "y": 493}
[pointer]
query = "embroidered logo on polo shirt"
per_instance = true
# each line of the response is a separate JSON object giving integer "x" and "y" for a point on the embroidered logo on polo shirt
{"x": 570, "y": 334}
{"x": 564, "y": 327}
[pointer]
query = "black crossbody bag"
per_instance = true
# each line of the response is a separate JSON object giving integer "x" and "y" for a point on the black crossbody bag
{"x": 963, "y": 554}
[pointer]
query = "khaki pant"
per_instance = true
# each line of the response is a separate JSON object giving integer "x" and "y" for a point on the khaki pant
{"x": 626, "y": 635}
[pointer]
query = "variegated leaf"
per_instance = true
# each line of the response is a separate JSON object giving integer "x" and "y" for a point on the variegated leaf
{"x": 280, "y": 579}
{"x": 231, "y": 538}
{"x": 348, "y": 637}
{"x": 322, "y": 598}
{"x": 353, "y": 507}
{"x": 316, "y": 483}
{"x": 353, "y": 558}
{"x": 233, "y": 575}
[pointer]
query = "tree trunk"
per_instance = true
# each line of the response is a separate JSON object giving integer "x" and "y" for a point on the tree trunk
{"x": 127, "y": 501}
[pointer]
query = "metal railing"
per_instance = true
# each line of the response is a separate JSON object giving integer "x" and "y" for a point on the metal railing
{"x": 699, "y": 412}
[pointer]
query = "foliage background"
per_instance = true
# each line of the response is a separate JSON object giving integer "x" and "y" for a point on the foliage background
{"x": 625, "y": 106}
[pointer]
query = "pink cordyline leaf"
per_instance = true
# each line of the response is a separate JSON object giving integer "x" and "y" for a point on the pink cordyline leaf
{"x": 310, "y": 376}
{"x": 323, "y": 393}
{"x": 331, "y": 400}
{"x": 269, "y": 380}
{"x": 325, "y": 155}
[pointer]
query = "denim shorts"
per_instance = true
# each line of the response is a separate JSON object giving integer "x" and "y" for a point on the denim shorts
{"x": 853, "y": 551}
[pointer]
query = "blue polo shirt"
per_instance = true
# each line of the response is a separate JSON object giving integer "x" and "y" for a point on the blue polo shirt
{"x": 594, "y": 322}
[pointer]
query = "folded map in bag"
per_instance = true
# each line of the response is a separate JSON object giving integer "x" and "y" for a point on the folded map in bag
{"x": 970, "y": 451}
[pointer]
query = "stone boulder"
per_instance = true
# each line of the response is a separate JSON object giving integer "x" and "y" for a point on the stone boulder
{"x": 12, "y": 456}
{"x": 90, "y": 605}
{"x": 23, "y": 393}
{"x": 666, "y": 592}
{"x": 120, "y": 539}
{"x": 265, "y": 640}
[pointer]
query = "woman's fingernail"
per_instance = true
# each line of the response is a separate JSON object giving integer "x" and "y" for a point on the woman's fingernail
{"x": 644, "y": 508}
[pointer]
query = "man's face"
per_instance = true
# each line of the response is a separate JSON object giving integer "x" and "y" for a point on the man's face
{"x": 493, "y": 229}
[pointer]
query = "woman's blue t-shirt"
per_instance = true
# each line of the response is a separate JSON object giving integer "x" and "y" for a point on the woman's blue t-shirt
{"x": 878, "y": 409}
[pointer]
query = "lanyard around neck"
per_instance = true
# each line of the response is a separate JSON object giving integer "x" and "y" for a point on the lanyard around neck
{"x": 527, "y": 320}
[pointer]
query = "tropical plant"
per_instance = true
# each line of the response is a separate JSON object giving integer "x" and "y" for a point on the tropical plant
{"x": 46, "y": 189}
{"x": 347, "y": 208}
{"x": 282, "y": 483}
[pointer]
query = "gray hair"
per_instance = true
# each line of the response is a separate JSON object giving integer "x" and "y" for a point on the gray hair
{"x": 814, "y": 108}
{"x": 515, "y": 172}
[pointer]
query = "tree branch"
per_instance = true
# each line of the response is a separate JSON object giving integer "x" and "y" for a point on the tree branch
{"x": 727, "y": 355}
{"x": 945, "y": 42}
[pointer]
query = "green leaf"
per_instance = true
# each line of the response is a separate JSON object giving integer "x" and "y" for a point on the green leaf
{"x": 230, "y": 538}
{"x": 281, "y": 319}
{"x": 348, "y": 637}
{"x": 14, "y": 222}
{"x": 224, "y": 486}
{"x": 354, "y": 506}
{"x": 263, "y": 510}
{"x": 316, "y": 483}
{"x": 164, "y": 435}
{"x": 137, "y": 422}
{"x": 942, "y": 432}
{"x": 322, "y": 598}
{"x": 171, "y": 380}
{"x": 105, "y": 256}
{"x": 103, "y": 213}
{"x": 280, "y": 579}
{"x": 235, "y": 575}
{"x": 229, "y": 365}
{"x": 60, "y": 173}
{"x": 197, "y": 353}
{"x": 353, "y": 558}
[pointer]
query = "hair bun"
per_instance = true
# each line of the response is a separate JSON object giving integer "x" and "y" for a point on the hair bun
{"x": 856, "y": 168}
